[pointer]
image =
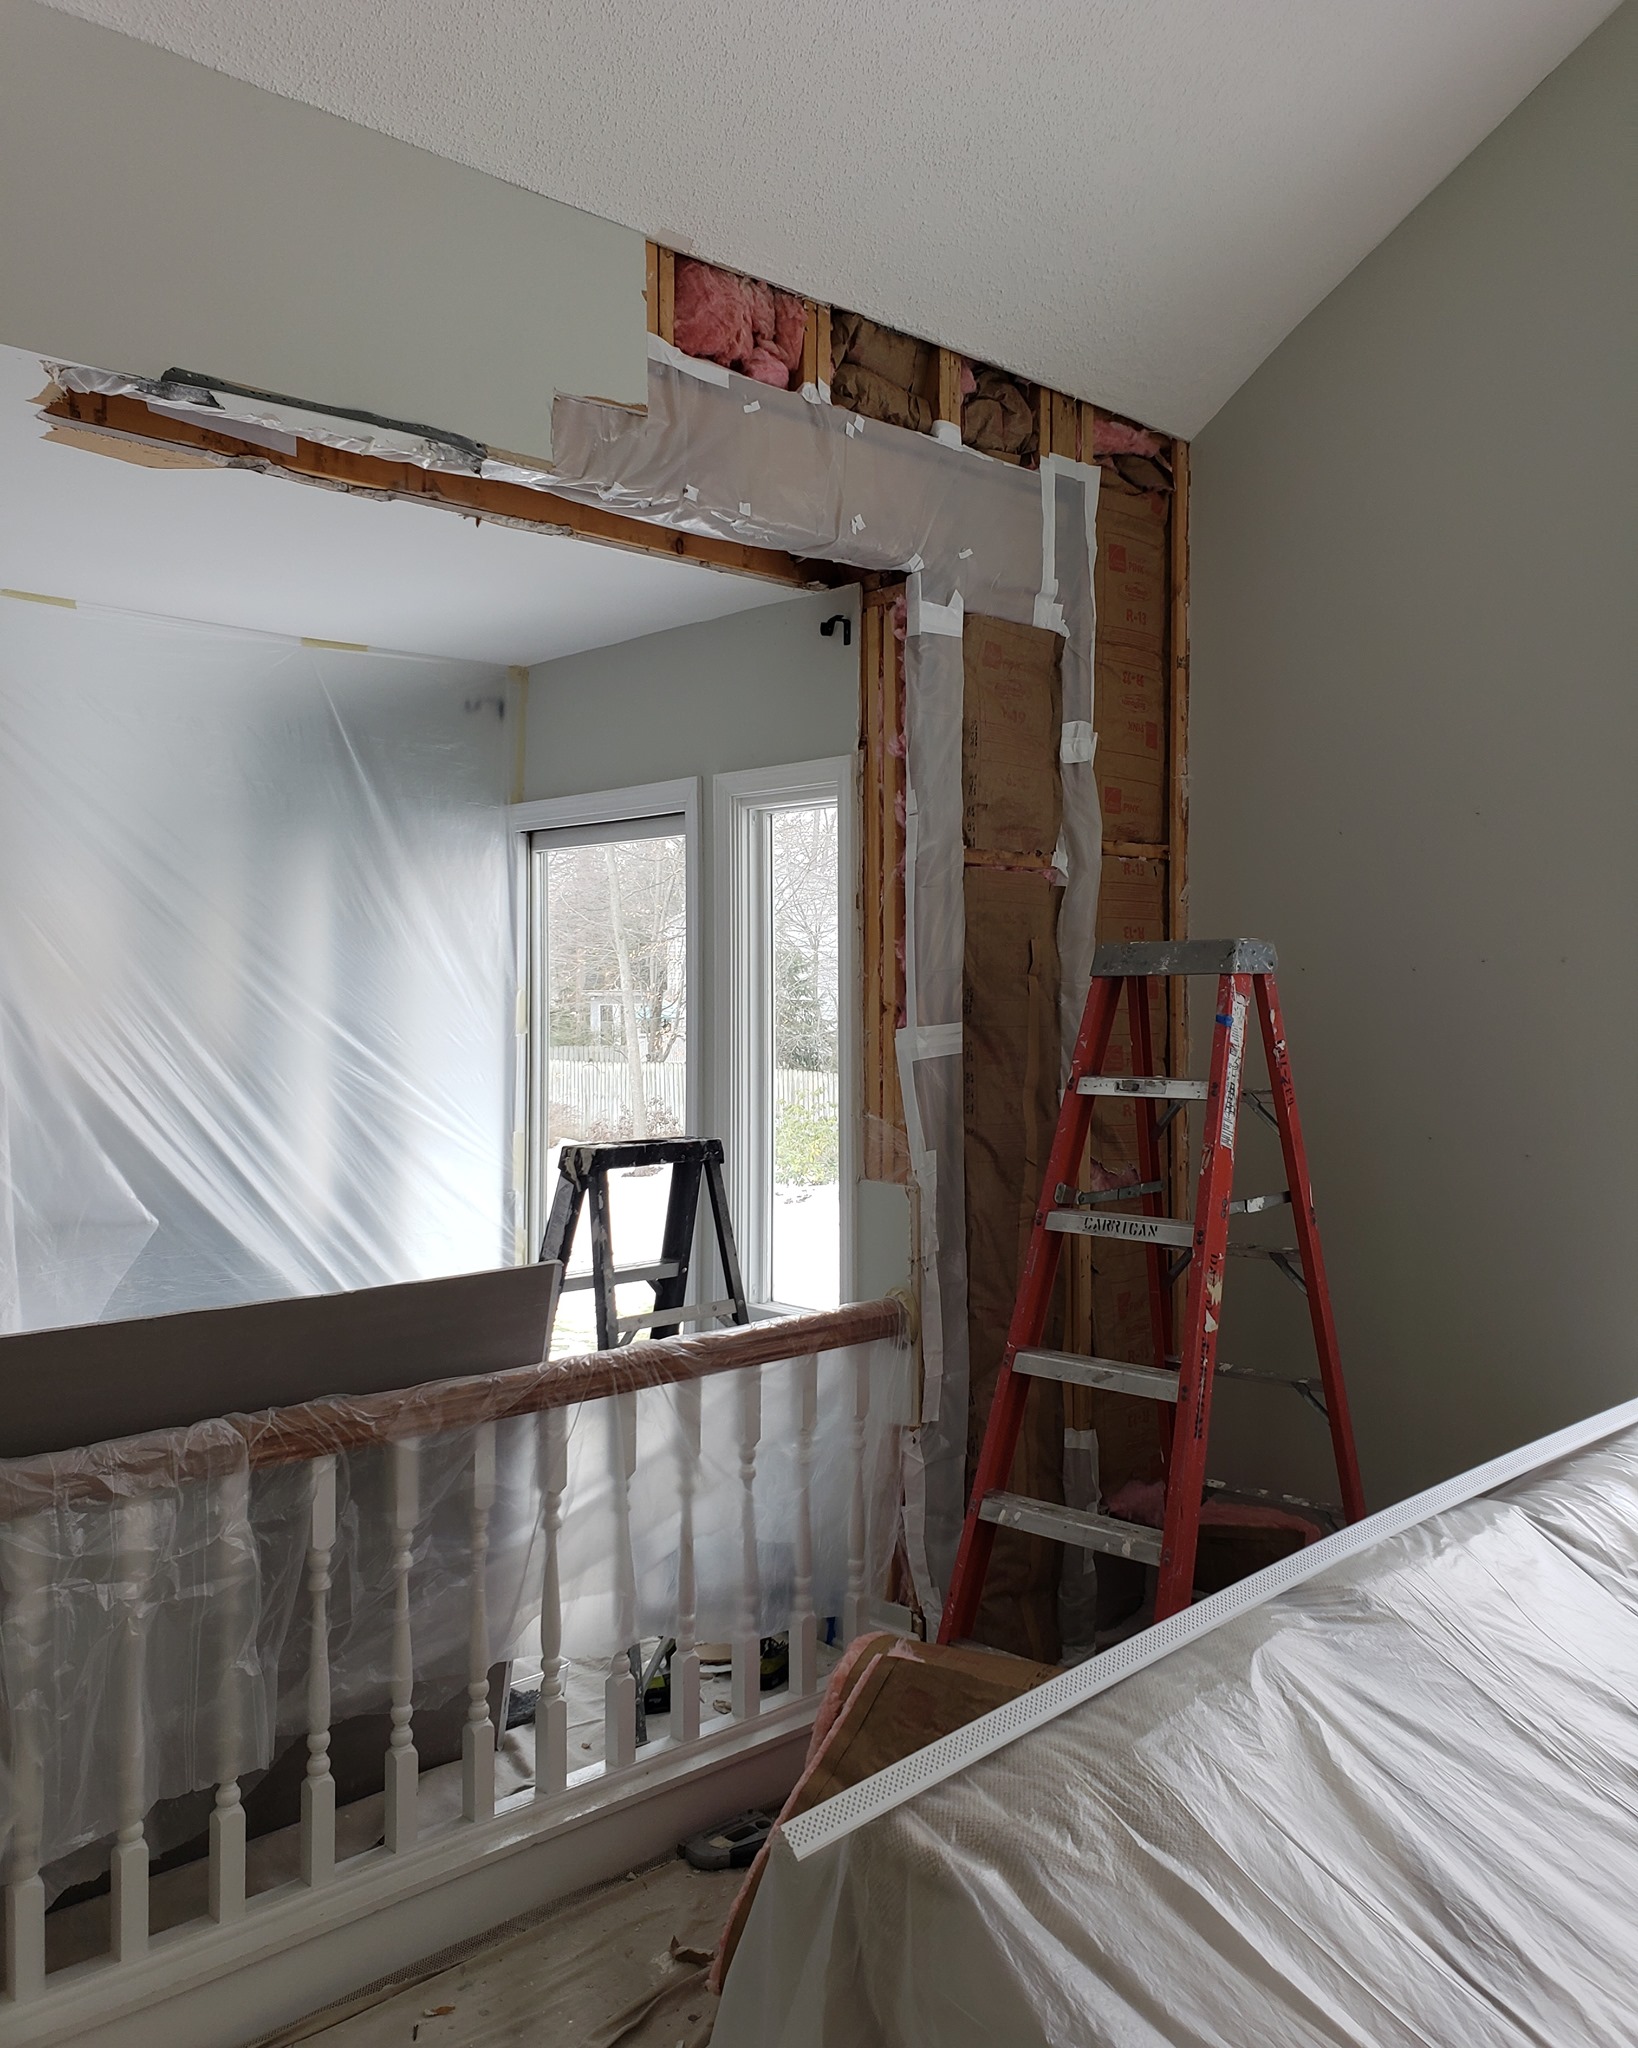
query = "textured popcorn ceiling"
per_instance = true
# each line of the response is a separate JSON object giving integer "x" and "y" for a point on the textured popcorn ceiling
{"x": 1133, "y": 200}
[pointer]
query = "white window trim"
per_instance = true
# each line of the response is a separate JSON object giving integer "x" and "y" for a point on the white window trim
{"x": 740, "y": 1036}
{"x": 596, "y": 807}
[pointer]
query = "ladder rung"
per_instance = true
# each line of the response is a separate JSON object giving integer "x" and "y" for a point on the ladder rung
{"x": 689, "y": 1312}
{"x": 1225, "y": 1491}
{"x": 1071, "y": 1525}
{"x": 1161, "y": 1087}
{"x": 1113, "y": 1373}
{"x": 1254, "y": 1205}
{"x": 1101, "y": 1223}
{"x": 625, "y": 1276}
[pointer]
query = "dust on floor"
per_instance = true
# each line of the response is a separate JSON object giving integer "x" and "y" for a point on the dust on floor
{"x": 623, "y": 1966}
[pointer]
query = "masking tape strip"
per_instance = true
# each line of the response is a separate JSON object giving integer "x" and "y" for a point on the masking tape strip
{"x": 1077, "y": 741}
{"x": 662, "y": 351}
{"x": 922, "y": 616}
{"x": 844, "y": 1811}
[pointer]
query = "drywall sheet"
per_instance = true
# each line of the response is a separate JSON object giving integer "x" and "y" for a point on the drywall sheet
{"x": 299, "y": 254}
{"x": 1392, "y": 1805}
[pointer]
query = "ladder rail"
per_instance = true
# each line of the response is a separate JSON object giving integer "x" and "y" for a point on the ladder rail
{"x": 1160, "y": 1292}
{"x": 1295, "y": 1155}
{"x": 1186, "y": 1474}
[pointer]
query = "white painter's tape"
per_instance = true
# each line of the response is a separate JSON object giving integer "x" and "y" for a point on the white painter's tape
{"x": 1050, "y": 614}
{"x": 824, "y": 394}
{"x": 948, "y": 432}
{"x": 856, "y": 523}
{"x": 744, "y": 509}
{"x": 965, "y": 555}
{"x": 914, "y": 564}
{"x": 692, "y": 493}
{"x": 1077, "y": 741}
{"x": 691, "y": 366}
{"x": 754, "y": 406}
{"x": 921, "y": 616}
{"x": 810, "y": 391}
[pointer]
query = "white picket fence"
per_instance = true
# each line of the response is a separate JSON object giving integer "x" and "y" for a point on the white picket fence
{"x": 589, "y": 1091}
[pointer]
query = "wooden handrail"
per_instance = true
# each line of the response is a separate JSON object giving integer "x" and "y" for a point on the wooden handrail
{"x": 132, "y": 1466}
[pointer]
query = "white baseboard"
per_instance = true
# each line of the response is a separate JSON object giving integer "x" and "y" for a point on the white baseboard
{"x": 298, "y": 1950}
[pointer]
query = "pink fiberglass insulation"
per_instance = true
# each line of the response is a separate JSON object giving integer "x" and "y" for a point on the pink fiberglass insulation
{"x": 739, "y": 322}
{"x": 1116, "y": 437}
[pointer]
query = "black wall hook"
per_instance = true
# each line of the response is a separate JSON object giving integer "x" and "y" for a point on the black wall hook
{"x": 828, "y": 627}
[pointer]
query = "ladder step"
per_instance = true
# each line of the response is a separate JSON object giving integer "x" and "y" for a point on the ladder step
{"x": 1159, "y": 1086}
{"x": 624, "y": 1276}
{"x": 1185, "y": 956}
{"x": 689, "y": 1312}
{"x": 1253, "y": 1205}
{"x": 1071, "y": 1525}
{"x": 1113, "y": 1373}
{"x": 1105, "y": 1223}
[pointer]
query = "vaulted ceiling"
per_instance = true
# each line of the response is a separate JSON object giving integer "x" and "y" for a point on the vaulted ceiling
{"x": 1133, "y": 200}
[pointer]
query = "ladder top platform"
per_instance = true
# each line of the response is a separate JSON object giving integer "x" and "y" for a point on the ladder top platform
{"x": 1186, "y": 956}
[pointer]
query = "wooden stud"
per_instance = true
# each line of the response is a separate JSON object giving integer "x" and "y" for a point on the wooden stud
{"x": 483, "y": 497}
{"x": 662, "y": 292}
{"x": 816, "y": 348}
{"x": 947, "y": 402}
{"x": 1066, "y": 427}
{"x": 1088, "y": 429}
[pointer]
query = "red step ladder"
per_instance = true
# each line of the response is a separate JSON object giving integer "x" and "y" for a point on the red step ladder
{"x": 1245, "y": 982}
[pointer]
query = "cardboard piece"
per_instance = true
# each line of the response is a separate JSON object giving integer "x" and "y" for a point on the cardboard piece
{"x": 886, "y": 1699}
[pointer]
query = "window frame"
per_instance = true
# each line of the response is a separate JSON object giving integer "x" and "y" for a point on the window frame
{"x": 647, "y": 802}
{"x": 742, "y": 990}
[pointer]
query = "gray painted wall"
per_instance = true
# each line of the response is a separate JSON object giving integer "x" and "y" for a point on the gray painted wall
{"x": 1415, "y": 744}
{"x": 760, "y": 689}
{"x": 156, "y": 214}
{"x": 755, "y": 690}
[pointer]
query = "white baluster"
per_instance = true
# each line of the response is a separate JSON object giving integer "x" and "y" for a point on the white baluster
{"x": 128, "y": 1870}
{"x": 230, "y": 1589}
{"x": 620, "y": 1687}
{"x": 318, "y": 1789}
{"x": 25, "y": 1574}
{"x": 804, "y": 1639}
{"x": 685, "y": 1659}
{"x": 552, "y": 1712}
{"x": 854, "y": 1608}
{"x": 747, "y": 1644}
{"x": 403, "y": 1766}
{"x": 478, "y": 1737}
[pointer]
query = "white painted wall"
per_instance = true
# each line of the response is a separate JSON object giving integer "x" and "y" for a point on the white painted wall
{"x": 759, "y": 690}
{"x": 1415, "y": 737}
{"x": 157, "y": 214}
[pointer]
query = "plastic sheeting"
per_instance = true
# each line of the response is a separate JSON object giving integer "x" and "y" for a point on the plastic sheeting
{"x": 723, "y": 455}
{"x": 718, "y": 455}
{"x": 173, "y": 1555}
{"x": 1393, "y": 1806}
{"x": 255, "y": 967}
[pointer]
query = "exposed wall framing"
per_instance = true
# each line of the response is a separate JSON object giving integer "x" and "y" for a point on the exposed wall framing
{"x": 98, "y": 418}
{"x": 884, "y": 1153}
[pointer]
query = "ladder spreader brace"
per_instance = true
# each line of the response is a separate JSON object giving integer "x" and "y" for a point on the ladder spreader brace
{"x": 1186, "y": 1372}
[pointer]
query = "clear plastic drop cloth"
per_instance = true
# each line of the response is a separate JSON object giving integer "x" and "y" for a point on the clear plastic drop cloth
{"x": 1394, "y": 1807}
{"x": 255, "y": 1036}
{"x": 155, "y": 1595}
{"x": 723, "y": 455}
